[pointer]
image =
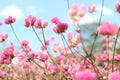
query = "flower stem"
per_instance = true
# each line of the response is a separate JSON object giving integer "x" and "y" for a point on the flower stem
{"x": 114, "y": 49}
{"x": 37, "y": 36}
{"x": 47, "y": 49}
{"x": 98, "y": 24}
{"x": 14, "y": 33}
{"x": 63, "y": 44}
{"x": 68, "y": 4}
{"x": 66, "y": 42}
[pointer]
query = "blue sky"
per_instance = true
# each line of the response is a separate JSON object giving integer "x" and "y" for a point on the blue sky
{"x": 46, "y": 9}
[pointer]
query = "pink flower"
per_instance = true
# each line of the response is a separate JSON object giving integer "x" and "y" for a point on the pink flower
{"x": 117, "y": 5}
{"x": 40, "y": 23}
{"x": 1, "y": 23}
{"x": 117, "y": 58}
{"x": 60, "y": 27}
{"x": 10, "y": 20}
{"x": 77, "y": 12}
{"x": 25, "y": 43}
{"x": 92, "y": 8}
{"x": 2, "y": 74}
{"x": 107, "y": 29}
{"x": 85, "y": 75}
{"x": 47, "y": 42}
{"x": 3, "y": 37}
{"x": 25, "y": 46}
{"x": 29, "y": 21}
{"x": 114, "y": 76}
{"x": 55, "y": 20}
{"x": 43, "y": 57}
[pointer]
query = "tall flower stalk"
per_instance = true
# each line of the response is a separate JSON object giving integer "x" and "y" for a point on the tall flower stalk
{"x": 113, "y": 56}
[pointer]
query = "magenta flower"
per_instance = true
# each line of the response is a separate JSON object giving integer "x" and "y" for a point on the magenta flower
{"x": 1, "y": 23}
{"x": 117, "y": 58}
{"x": 10, "y": 20}
{"x": 29, "y": 21}
{"x": 85, "y": 75}
{"x": 107, "y": 29}
{"x": 114, "y": 76}
{"x": 3, "y": 37}
{"x": 55, "y": 20}
{"x": 40, "y": 23}
{"x": 25, "y": 46}
{"x": 117, "y": 5}
{"x": 60, "y": 27}
{"x": 43, "y": 57}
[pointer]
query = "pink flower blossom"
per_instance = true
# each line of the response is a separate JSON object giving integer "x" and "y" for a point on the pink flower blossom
{"x": 85, "y": 75}
{"x": 55, "y": 20}
{"x": 2, "y": 74}
{"x": 43, "y": 57}
{"x": 1, "y": 23}
{"x": 29, "y": 21}
{"x": 117, "y": 5}
{"x": 60, "y": 27}
{"x": 3, "y": 37}
{"x": 77, "y": 12}
{"x": 107, "y": 28}
{"x": 40, "y": 23}
{"x": 114, "y": 76}
{"x": 92, "y": 8}
{"x": 117, "y": 58}
{"x": 10, "y": 20}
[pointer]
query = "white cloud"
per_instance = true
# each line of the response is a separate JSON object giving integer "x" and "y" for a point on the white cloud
{"x": 86, "y": 19}
{"x": 11, "y": 10}
{"x": 106, "y": 11}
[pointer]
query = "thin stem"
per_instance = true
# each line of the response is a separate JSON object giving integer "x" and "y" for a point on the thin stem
{"x": 14, "y": 33}
{"x": 47, "y": 49}
{"x": 63, "y": 43}
{"x": 98, "y": 24}
{"x": 37, "y": 36}
{"x": 66, "y": 42}
{"x": 114, "y": 49}
{"x": 44, "y": 38}
{"x": 68, "y": 4}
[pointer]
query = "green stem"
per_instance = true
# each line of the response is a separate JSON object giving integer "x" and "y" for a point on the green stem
{"x": 14, "y": 33}
{"x": 63, "y": 43}
{"x": 66, "y": 42}
{"x": 47, "y": 49}
{"x": 68, "y": 4}
{"x": 37, "y": 36}
{"x": 114, "y": 50}
{"x": 98, "y": 24}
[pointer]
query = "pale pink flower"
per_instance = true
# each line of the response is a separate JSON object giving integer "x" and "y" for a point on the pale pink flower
{"x": 10, "y": 20}
{"x": 92, "y": 8}
{"x": 85, "y": 75}
{"x": 40, "y": 23}
{"x": 114, "y": 76}
{"x": 77, "y": 12}
{"x": 107, "y": 28}
{"x": 2, "y": 74}
{"x": 3, "y": 37}
{"x": 42, "y": 56}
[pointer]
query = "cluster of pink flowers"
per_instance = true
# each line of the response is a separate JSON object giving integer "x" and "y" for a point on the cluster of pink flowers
{"x": 59, "y": 26}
